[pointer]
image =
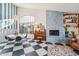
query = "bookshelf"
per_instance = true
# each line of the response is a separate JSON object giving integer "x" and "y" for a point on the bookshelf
{"x": 71, "y": 22}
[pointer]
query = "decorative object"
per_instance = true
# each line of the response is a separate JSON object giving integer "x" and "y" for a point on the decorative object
{"x": 39, "y": 33}
{"x": 71, "y": 22}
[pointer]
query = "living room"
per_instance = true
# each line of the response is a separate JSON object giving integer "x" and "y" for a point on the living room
{"x": 39, "y": 27}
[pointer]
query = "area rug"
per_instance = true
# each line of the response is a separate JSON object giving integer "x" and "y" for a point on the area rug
{"x": 58, "y": 50}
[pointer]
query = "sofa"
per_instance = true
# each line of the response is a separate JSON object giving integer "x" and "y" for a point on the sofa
{"x": 73, "y": 42}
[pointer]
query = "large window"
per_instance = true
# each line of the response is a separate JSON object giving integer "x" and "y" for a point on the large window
{"x": 8, "y": 11}
{"x": 0, "y": 11}
{"x": 4, "y": 10}
{"x": 11, "y": 10}
{"x": 14, "y": 9}
{"x": 26, "y": 24}
{"x": 27, "y": 19}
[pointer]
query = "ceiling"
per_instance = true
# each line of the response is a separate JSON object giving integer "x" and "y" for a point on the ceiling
{"x": 63, "y": 7}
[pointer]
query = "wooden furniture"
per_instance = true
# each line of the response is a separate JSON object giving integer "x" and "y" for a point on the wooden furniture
{"x": 71, "y": 22}
{"x": 40, "y": 35}
{"x": 74, "y": 43}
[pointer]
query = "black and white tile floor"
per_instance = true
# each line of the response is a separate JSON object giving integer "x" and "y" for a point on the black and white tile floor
{"x": 29, "y": 47}
{"x": 26, "y": 47}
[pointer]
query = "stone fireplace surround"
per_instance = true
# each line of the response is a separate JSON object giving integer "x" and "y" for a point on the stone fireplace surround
{"x": 54, "y": 21}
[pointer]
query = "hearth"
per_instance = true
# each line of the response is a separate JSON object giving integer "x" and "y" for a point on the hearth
{"x": 54, "y": 32}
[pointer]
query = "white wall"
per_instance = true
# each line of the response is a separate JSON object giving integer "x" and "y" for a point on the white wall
{"x": 40, "y": 15}
{"x": 62, "y": 7}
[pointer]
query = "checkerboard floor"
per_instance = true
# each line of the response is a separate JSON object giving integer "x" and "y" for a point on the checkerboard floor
{"x": 26, "y": 47}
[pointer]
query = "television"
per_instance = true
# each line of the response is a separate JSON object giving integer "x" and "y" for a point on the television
{"x": 54, "y": 32}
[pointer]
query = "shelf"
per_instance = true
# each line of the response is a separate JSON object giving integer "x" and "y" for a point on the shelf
{"x": 70, "y": 18}
{"x": 70, "y": 26}
{"x": 71, "y": 21}
{"x": 71, "y": 14}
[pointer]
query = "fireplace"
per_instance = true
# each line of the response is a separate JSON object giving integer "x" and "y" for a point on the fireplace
{"x": 54, "y": 32}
